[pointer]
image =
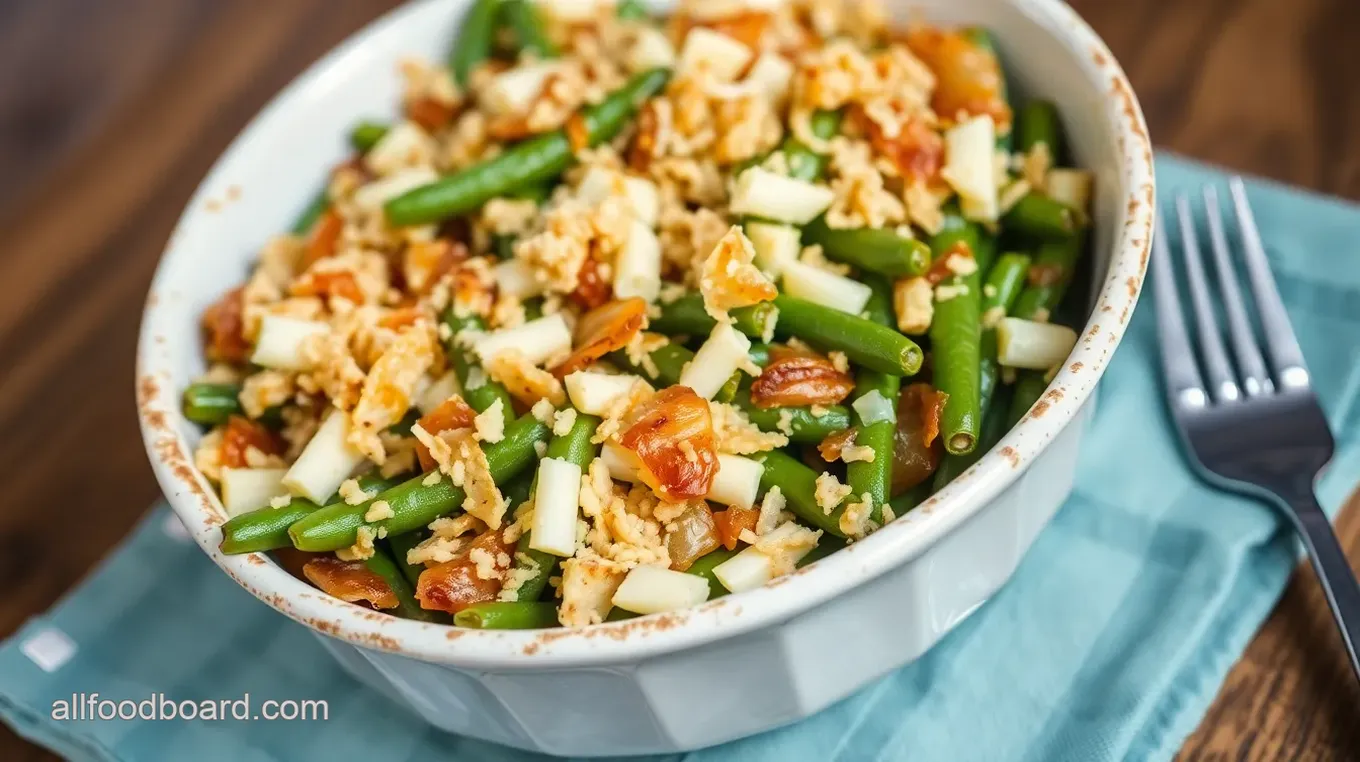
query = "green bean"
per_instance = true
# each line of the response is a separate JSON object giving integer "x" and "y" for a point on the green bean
{"x": 984, "y": 254}
{"x": 211, "y": 404}
{"x": 1036, "y": 123}
{"x": 825, "y": 547}
{"x": 573, "y": 447}
{"x": 315, "y": 208}
{"x": 534, "y": 160}
{"x": 703, "y": 567}
{"x": 955, "y": 333}
{"x": 1057, "y": 262}
{"x": 1004, "y": 282}
{"x": 481, "y": 397}
{"x": 759, "y": 353}
{"x": 803, "y": 163}
{"x": 415, "y": 504}
{"x": 686, "y": 315}
{"x": 994, "y": 426}
{"x": 877, "y": 250}
{"x": 802, "y": 425}
{"x": 401, "y": 546}
{"x": 670, "y": 361}
{"x": 798, "y": 484}
{"x": 523, "y": 19}
{"x": 728, "y": 391}
{"x": 267, "y": 528}
{"x": 366, "y": 134}
{"x": 476, "y": 36}
{"x": 408, "y": 420}
{"x": 408, "y": 607}
{"x": 500, "y": 615}
{"x": 874, "y": 478}
{"x": 1038, "y": 216}
{"x": 910, "y": 499}
{"x": 863, "y": 341}
{"x": 1028, "y": 389}
{"x": 503, "y": 246}
{"x": 632, "y": 10}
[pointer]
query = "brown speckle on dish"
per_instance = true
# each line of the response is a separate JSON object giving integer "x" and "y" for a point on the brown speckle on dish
{"x": 213, "y": 205}
{"x": 233, "y": 192}
{"x": 1009, "y": 453}
{"x": 1075, "y": 367}
{"x": 1055, "y": 395}
{"x": 1039, "y": 409}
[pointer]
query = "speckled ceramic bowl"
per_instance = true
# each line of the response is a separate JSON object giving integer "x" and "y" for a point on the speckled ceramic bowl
{"x": 646, "y": 685}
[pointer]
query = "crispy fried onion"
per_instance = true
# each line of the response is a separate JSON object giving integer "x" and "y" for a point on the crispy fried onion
{"x": 673, "y": 439}
{"x": 794, "y": 378}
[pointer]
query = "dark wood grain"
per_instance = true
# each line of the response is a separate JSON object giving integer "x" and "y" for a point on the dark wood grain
{"x": 110, "y": 113}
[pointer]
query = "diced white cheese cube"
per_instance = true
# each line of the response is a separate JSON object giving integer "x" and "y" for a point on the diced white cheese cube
{"x": 1031, "y": 345}
{"x": 752, "y": 568}
{"x": 515, "y": 278}
{"x": 825, "y": 288}
{"x": 637, "y": 271}
{"x": 970, "y": 149}
{"x": 621, "y": 462}
{"x": 775, "y": 245}
{"x": 438, "y": 392}
{"x": 594, "y": 393}
{"x": 737, "y": 481}
{"x": 245, "y": 489}
{"x": 538, "y": 340}
{"x": 652, "y": 589}
{"x": 716, "y": 53}
{"x": 1071, "y": 187}
{"x": 576, "y": 11}
{"x": 600, "y": 183}
{"x": 651, "y": 49}
{"x": 513, "y": 91}
{"x": 404, "y": 145}
{"x": 281, "y": 340}
{"x": 326, "y": 461}
{"x": 556, "y": 502}
{"x": 716, "y": 361}
{"x": 762, "y": 193}
{"x": 773, "y": 74}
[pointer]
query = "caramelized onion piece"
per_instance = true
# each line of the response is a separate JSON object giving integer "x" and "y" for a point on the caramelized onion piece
{"x": 692, "y": 535}
{"x": 914, "y": 147}
{"x": 731, "y": 521}
{"x": 602, "y": 330}
{"x": 968, "y": 77}
{"x": 350, "y": 581}
{"x": 322, "y": 238}
{"x": 795, "y": 378}
{"x": 224, "y": 330}
{"x": 831, "y": 446}
{"x": 674, "y": 441}
{"x": 328, "y": 284}
{"x": 454, "y": 585}
{"x": 430, "y": 113}
{"x": 452, "y": 413}
{"x": 240, "y": 435}
{"x": 592, "y": 289}
{"x": 942, "y": 268}
{"x": 916, "y": 446}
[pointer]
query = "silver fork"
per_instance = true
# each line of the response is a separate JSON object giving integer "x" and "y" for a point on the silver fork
{"x": 1250, "y": 430}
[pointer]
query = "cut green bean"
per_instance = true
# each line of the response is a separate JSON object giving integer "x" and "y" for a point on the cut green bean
{"x": 522, "y": 17}
{"x": 415, "y": 504}
{"x": 1004, "y": 283}
{"x": 476, "y": 36}
{"x": 955, "y": 335}
{"x": 499, "y": 615}
{"x": 687, "y": 316}
{"x": 798, "y": 484}
{"x": 1040, "y": 217}
{"x": 381, "y": 564}
{"x": 1028, "y": 389}
{"x": 535, "y": 160}
{"x": 366, "y": 134}
{"x": 1038, "y": 122}
{"x": 267, "y": 528}
{"x": 876, "y": 250}
{"x": 401, "y": 546}
{"x": 670, "y": 361}
{"x": 865, "y": 342}
{"x": 803, "y": 163}
{"x": 481, "y": 397}
{"x": 873, "y": 478}
{"x": 994, "y": 426}
{"x": 632, "y": 10}
{"x": 315, "y": 208}
{"x": 1056, "y": 262}
{"x": 704, "y": 565}
{"x": 211, "y": 404}
{"x": 798, "y": 423}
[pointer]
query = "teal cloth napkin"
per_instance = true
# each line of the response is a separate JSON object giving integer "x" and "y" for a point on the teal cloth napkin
{"x": 1109, "y": 643}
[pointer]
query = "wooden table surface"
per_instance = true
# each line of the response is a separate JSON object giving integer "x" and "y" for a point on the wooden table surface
{"x": 111, "y": 112}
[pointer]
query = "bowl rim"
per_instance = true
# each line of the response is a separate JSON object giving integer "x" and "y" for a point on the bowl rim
{"x": 200, "y": 510}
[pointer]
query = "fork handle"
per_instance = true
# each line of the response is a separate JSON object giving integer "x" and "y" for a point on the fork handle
{"x": 1333, "y": 570}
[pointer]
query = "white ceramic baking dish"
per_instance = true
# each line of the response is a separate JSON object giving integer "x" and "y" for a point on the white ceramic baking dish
{"x": 734, "y": 666}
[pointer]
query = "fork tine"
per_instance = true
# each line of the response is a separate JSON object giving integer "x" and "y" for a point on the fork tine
{"x": 1178, "y": 362}
{"x": 1221, "y": 384}
{"x": 1255, "y": 379}
{"x": 1285, "y": 356}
